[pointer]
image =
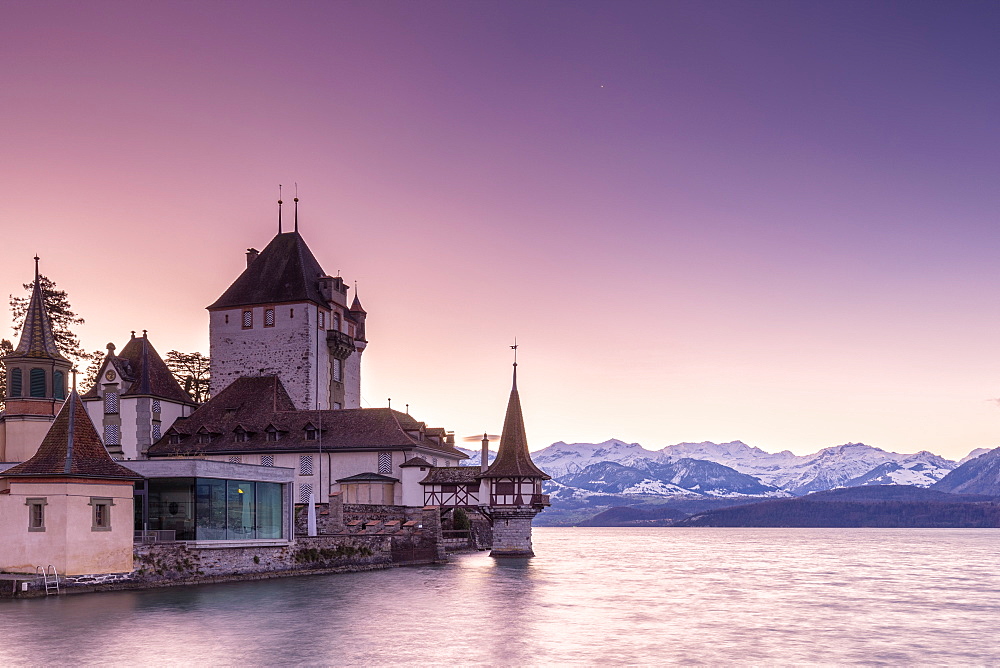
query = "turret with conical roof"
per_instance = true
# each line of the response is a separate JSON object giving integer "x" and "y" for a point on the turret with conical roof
{"x": 511, "y": 487}
{"x": 37, "y": 375}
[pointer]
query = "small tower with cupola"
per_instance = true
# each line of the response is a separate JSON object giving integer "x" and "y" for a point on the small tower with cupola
{"x": 512, "y": 486}
{"x": 37, "y": 376}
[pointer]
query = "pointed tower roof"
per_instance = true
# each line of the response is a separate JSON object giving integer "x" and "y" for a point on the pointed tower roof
{"x": 73, "y": 449}
{"x": 285, "y": 271}
{"x": 356, "y": 304}
{"x": 37, "y": 339}
{"x": 150, "y": 373}
{"x": 513, "y": 459}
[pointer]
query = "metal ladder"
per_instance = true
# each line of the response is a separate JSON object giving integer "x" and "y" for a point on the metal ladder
{"x": 50, "y": 577}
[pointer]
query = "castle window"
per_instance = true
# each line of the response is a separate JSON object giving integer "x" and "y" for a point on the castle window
{"x": 311, "y": 433}
{"x": 291, "y": 313}
{"x": 112, "y": 434}
{"x": 322, "y": 319}
{"x": 227, "y": 318}
{"x": 101, "y": 513}
{"x": 36, "y": 513}
{"x": 175, "y": 439}
{"x": 156, "y": 432}
{"x": 305, "y": 465}
{"x": 338, "y": 370}
{"x": 37, "y": 382}
{"x": 269, "y": 317}
{"x": 385, "y": 463}
{"x": 240, "y": 435}
{"x": 337, "y": 406}
{"x": 271, "y": 434}
{"x": 336, "y": 321}
{"x": 156, "y": 405}
{"x": 305, "y": 491}
{"x": 235, "y": 459}
{"x": 110, "y": 403}
{"x": 204, "y": 437}
{"x": 58, "y": 385}
{"x": 15, "y": 383}
{"x": 247, "y": 319}
{"x": 434, "y": 462}
{"x": 267, "y": 460}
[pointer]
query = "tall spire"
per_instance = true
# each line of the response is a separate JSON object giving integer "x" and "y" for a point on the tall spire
{"x": 37, "y": 339}
{"x": 513, "y": 458}
{"x": 279, "y": 208}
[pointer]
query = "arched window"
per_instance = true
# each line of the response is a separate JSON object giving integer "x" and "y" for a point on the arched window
{"x": 37, "y": 382}
{"x": 15, "y": 383}
{"x": 58, "y": 385}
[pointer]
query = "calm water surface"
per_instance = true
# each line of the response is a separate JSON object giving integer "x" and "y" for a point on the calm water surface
{"x": 619, "y": 596}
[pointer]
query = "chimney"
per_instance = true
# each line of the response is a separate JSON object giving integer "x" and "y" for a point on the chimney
{"x": 484, "y": 459}
{"x": 252, "y": 254}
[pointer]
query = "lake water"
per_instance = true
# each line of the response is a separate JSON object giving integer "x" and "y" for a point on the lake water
{"x": 618, "y": 596}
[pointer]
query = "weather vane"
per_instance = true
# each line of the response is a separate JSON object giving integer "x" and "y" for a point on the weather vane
{"x": 514, "y": 348}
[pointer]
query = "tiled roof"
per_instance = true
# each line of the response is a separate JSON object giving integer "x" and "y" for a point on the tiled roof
{"x": 72, "y": 448}
{"x": 513, "y": 459}
{"x": 452, "y": 474}
{"x": 143, "y": 372}
{"x": 37, "y": 339}
{"x": 285, "y": 271}
{"x": 368, "y": 477}
{"x": 356, "y": 306}
{"x": 255, "y": 403}
{"x": 415, "y": 461}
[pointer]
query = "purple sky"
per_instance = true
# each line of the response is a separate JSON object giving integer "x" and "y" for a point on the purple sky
{"x": 767, "y": 221}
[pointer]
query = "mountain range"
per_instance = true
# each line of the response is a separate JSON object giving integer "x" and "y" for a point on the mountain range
{"x": 590, "y": 477}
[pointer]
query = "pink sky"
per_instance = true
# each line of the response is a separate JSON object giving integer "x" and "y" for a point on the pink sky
{"x": 773, "y": 221}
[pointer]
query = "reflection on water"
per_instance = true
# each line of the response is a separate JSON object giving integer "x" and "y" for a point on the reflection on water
{"x": 591, "y": 596}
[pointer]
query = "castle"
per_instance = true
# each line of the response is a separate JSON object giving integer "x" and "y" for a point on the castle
{"x": 284, "y": 425}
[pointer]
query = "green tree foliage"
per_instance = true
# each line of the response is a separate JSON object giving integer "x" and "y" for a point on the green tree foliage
{"x": 6, "y": 348}
{"x": 460, "y": 520}
{"x": 192, "y": 371}
{"x": 94, "y": 361}
{"x": 61, "y": 315}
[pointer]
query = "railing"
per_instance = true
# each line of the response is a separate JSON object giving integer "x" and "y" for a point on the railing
{"x": 156, "y": 536}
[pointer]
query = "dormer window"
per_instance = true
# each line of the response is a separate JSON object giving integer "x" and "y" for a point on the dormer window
{"x": 271, "y": 434}
{"x": 174, "y": 439}
{"x": 204, "y": 437}
{"x": 240, "y": 435}
{"x": 311, "y": 433}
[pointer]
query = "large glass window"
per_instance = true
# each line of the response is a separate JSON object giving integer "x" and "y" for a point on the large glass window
{"x": 210, "y": 509}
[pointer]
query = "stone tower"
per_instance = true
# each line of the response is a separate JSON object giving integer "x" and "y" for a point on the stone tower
{"x": 512, "y": 486}
{"x": 287, "y": 317}
{"x": 37, "y": 375}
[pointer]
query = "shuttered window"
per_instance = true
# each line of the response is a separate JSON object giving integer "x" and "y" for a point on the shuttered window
{"x": 247, "y": 319}
{"x": 112, "y": 434}
{"x": 37, "y": 380}
{"x": 385, "y": 463}
{"x": 59, "y": 385}
{"x": 15, "y": 383}
{"x": 110, "y": 403}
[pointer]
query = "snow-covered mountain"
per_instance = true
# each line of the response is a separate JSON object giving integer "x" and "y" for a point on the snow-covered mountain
{"x": 669, "y": 478}
{"x": 561, "y": 458}
{"x": 851, "y": 464}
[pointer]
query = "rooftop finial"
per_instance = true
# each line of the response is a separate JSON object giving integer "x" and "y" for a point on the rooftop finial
{"x": 514, "y": 348}
{"x": 296, "y": 200}
{"x": 143, "y": 333}
{"x": 279, "y": 208}
{"x": 74, "y": 379}
{"x": 36, "y": 269}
